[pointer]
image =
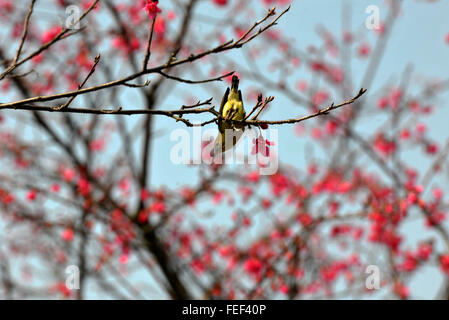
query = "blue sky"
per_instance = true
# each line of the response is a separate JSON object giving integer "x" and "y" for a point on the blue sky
{"x": 417, "y": 39}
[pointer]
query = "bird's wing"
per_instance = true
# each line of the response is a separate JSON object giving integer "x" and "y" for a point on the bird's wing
{"x": 240, "y": 97}
{"x": 223, "y": 102}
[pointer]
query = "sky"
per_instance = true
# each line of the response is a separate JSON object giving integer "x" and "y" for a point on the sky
{"x": 418, "y": 39}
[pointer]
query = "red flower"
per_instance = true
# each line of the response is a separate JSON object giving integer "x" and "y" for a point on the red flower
{"x": 198, "y": 266}
{"x": 50, "y": 34}
{"x": 305, "y": 219}
{"x": 67, "y": 234}
{"x": 68, "y": 174}
{"x": 84, "y": 187}
{"x": 253, "y": 177}
{"x": 31, "y": 195}
{"x": 284, "y": 289}
{"x": 220, "y": 2}
{"x": 329, "y": 274}
{"x": 401, "y": 290}
{"x": 261, "y": 146}
{"x": 144, "y": 195}
{"x": 382, "y": 103}
{"x": 158, "y": 207}
{"x": 364, "y": 50}
{"x": 143, "y": 217}
{"x": 409, "y": 264}
{"x": 424, "y": 251}
{"x": 253, "y": 266}
{"x": 266, "y": 203}
{"x": 383, "y": 145}
{"x": 8, "y": 198}
{"x": 61, "y": 288}
{"x": 152, "y": 8}
{"x": 432, "y": 148}
{"x": 444, "y": 263}
{"x": 188, "y": 195}
{"x": 124, "y": 258}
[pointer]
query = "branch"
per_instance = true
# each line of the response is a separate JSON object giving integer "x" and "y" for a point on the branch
{"x": 177, "y": 114}
{"x": 24, "y": 33}
{"x": 148, "y": 52}
{"x": 117, "y": 111}
{"x": 44, "y": 47}
{"x": 270, "y": 13}
{"x": 170, "y": 64}
{"x": 296, "y": 120}
{"x": 220, "y": 78}
{"x": 92, "y": 70}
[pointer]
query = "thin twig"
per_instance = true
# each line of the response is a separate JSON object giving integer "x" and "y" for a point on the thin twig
{"x": 296, "y": 120}
{"x": 220, "y": 78}
{"x": 24, "y": 33}
{"x": 45, "y": 46}
{"x": 263, "y": 105}
{"x": 148, "y": 52}
{"x": 92, "y": 70}
{"x": 170, "y": 64}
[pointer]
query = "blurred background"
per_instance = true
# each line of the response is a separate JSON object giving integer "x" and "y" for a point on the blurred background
{"x": 94, "y": 207}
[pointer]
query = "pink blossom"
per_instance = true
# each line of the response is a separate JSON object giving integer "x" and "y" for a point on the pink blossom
{"x": 253, "y": 266}
{"x": 31, "y": 195}
{"x": 364, "y": 50}
{"x": 152, "y": 8}
{"x": 444, "y": 263}
{"x": 50, "y": 34}
{"x": 67, "y": 234}
{"x": 221, "y": 3}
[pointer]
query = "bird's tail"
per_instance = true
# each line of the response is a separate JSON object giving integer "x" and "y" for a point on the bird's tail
{"x": 221, "y": 144}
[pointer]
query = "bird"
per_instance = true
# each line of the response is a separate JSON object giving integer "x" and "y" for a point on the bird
{"x": 231, "y": 108}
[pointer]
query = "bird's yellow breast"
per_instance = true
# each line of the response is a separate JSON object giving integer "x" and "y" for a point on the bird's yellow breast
{"x": 233, "y": 95}
{"x": 237, "y": 107}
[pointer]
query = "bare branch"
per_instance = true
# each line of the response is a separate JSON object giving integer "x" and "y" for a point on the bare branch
{"x": 148, "y": 52}
{"x": 170, "y": 64}
{"x": 92, "y": 70}
{"x": 47, "y": 45}
{"x": 24, "y": 33}
{"x": 220, "y": 78}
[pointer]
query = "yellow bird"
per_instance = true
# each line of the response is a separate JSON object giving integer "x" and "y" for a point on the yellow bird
{"x": 231, "y": 108}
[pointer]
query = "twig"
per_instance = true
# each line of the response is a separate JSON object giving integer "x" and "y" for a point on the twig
{"x": 118, "y": 111}
{"x": 271, "y": 12}
{"x": 198, "y": 104}
{"x": 273, "y": 23}
{"x": 44, "y": 47}
{"x": 263, "y": 105}
{"x": 170, "y": 64}
{"x": 258, "y": 104}
{"x": 24, "y": 33}
{"x": 220, "y": 78}
{"x": 296, "y": 120}
{"x": 148, "y": 52}
{"x": 131, "y": 85}
{"x": 92, "y": 70}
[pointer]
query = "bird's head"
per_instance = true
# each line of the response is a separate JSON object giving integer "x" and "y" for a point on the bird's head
{"x": 235, "y": 82}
